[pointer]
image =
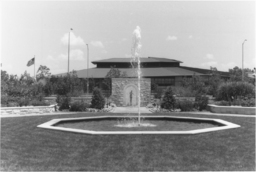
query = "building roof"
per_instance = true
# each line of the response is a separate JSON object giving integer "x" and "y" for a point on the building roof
{"x": 204, "y": 71}
{"x": 142, "y": 60}
{"x": 161, "y": 71}
{"x": 146, "y": 72}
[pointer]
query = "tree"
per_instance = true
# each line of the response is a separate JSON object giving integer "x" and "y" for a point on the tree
{"x": 168, "y": 100}
{"x": 68, "y": 84}
{"x": 230, "y": 91}
{"x": 43, "y": 72}
{"x": 113, "y": 73}
{"x": 236, "y": 75}
{"x": 98, "y": 100}
{"x": 4, "y": 82}
{"x": 213, "y": 81}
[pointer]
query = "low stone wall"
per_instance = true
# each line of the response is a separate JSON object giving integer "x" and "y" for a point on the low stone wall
{"x": 192, "y": 99}
{"x": 86, "y": 99}
{"x": 232, "y": 109}
{"x": 27, "y": 110}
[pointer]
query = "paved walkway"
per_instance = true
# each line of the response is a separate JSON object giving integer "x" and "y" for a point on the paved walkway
{"x": 126, "y": 110}
{"x": 130, "y": 110}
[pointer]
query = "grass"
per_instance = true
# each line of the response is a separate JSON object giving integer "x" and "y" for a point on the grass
{"x": 24, "y": 147}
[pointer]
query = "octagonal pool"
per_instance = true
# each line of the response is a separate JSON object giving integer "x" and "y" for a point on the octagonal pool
{"x": 158, "y": 125}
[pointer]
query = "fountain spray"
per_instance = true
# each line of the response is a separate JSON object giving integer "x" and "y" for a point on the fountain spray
{"x": 136, "y": 46}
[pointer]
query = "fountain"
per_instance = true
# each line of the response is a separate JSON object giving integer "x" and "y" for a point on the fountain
{"x": 136, "y": 46}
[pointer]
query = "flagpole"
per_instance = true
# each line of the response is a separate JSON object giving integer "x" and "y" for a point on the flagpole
{"x": 35, "y": 67}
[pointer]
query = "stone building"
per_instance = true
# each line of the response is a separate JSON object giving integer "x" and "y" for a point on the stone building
{"x": 163, "y": 72}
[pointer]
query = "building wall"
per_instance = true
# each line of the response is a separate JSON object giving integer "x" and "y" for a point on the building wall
{"x": 121, "y": 88}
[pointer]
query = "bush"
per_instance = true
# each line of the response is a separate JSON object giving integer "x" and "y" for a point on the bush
{"x": 98, "y": 101}
{"x": 12, "y": 104}
{"x": 232, "y": 90}
{"x": 158, "y": 93}
{"x": 185, "y": 105}
{"x": 168, "y": 100}
{"x": 23, "y": 102}
{"x": 78, "y": 106}
{"x": 201, "y": 102}
{"x": 150, "y": 105}
{"x": 223, "y": 103}
{"x": 63, "y": 102}
{"x": 38, "y": 103}
{"x": 183, "y": 91}
{"x": 4, "y": 100}
{"x": 247, "y": 102}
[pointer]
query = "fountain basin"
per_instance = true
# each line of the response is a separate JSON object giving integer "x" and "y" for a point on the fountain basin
{"x": 215, "y": 125}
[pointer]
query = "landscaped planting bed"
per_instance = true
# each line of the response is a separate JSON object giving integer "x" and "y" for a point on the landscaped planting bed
{"x": 24, "y": 147}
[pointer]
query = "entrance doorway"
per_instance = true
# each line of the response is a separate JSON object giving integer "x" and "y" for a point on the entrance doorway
{"x": 130, "y": 95}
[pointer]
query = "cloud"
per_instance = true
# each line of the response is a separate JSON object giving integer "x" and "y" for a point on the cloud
{"x": 50, "y": 57}
{"x": 104, "y": 51}
{"x": 124, "y": 39}
{"x": 74, "y": 40}
{"x": 208, "y": 64}
{"x": 97, "y": 44}
{"x": 209, "y": 56}
{"x": 226, "y": 66}
{"x": 76, "y": 55}
{"x": 171, "y": 38}
{"x": 190, "y": 36}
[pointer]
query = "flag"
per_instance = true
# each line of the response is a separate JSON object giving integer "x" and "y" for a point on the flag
{"x": 31, "y": 62}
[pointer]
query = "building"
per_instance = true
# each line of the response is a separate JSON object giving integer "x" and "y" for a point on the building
{"x": 161, "y": 71}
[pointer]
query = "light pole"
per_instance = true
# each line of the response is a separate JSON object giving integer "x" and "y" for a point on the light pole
{"x": 87, "y": 68}
{"x": 69, "y": 47}
{"x": 243, "y": 60}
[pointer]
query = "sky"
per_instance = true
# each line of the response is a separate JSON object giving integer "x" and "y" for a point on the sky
{"x": 198, "y": 33}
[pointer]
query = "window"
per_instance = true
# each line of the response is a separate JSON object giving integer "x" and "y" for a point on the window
{"x": 164, "y": 81}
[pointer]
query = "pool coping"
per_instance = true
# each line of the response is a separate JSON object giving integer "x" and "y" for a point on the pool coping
{"x": 50, "y": 125}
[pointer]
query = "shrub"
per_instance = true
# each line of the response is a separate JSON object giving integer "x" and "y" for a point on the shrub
{"x": 112, "y": 105}
{"x": 98, "y": 101}
{"x": 63, "y": 102}
{"x": 78, "y": 106}
{"x": 246, "y": 102}
{"x": 232, "y": 90}
{"x": 168, "y": 100}
{"x": 183, "y": 91}
{"x": 249, "y": 102}
{"x": 23, "y": 102}
{"x": 158, "y": 93}
{"x": 201, "y": 102}
{"x": 38, "y": 103}
{"x": 185, "y": 105}
{"x": 150, "y": 105}
{"x": 12, "y": 104}
{"x": 4, "y": 100}
{"x": 223, "y": 103}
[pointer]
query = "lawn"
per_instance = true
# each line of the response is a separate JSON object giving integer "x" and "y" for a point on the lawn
{"x": 24, "y": 147}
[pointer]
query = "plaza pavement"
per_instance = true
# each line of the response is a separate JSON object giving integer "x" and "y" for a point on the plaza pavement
{"x": 130, "y": 110}
{"x": 127, "y": 110}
